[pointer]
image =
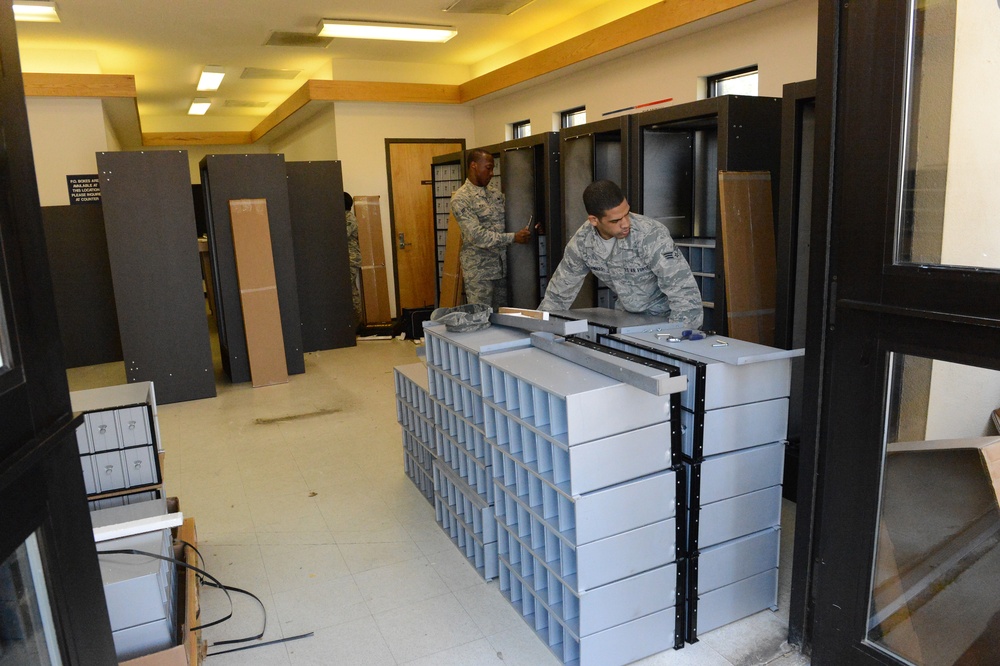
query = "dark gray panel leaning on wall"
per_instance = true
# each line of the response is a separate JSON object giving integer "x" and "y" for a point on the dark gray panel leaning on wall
{"x": 81, "y": 284}
{"x": 577, "y": 155}
{"x": 322, "y": 265}
{"x": 522, "y": 259}
{"x": 153, "y": 248}
{"x": 255, "y": 176}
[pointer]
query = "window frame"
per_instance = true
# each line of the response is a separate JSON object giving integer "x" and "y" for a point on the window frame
{"x": 712, "y": 81}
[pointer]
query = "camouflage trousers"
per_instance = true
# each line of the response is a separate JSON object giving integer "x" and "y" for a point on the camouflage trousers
{"x": 356, "y": 294}
{"x": 487, "y": 292}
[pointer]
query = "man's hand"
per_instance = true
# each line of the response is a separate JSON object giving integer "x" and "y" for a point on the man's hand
{"x": 523, "y": 235}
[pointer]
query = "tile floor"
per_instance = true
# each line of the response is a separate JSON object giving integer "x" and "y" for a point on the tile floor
{"x": 299, "y": 495}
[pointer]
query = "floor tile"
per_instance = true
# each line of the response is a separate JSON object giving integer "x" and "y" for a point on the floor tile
{"x": 488, "y": 608}
{"x": 358, "y": 643}
{"x": 518, "y": 646}
{"x": 320, "y": 605}
{"x": 476, "y": 653}
{"x": 400, "y": 584}
{"x": 293, "y": 566}
{"x": 364, "y": 556}
{"x": 426, "y": 627}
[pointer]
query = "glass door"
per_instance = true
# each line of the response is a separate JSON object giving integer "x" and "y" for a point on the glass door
{"x": 907, "y": 561}
{"x": 27, "y": 629}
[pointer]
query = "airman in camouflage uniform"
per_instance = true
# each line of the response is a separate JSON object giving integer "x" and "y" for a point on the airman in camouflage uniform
{"x": 633, "y": 254}
{"x": 479, "y": 211}
{"x": 354, "y": 253}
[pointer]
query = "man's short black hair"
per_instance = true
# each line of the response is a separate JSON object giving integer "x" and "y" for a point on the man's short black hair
{"x": 477, "y": 154}
{"x": 348, "y": 202}
{"x": 601, "y": 196}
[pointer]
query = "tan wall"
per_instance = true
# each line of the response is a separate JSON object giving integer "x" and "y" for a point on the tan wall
{"x": 361, "y": 133}
{"x": 66, "y": 135}
{"x": 780, "y": 41}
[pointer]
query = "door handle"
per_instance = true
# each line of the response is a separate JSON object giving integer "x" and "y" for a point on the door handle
{"x": 403, "y": 243}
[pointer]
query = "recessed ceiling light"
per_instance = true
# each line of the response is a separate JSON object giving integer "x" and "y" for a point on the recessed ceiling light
{"x": 406, "y": 32}
{"x": 41, "y": 11}
{"x": 211, "y": 77}
{"x": 199, "y": 106}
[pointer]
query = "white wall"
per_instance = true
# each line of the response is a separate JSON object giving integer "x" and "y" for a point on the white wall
{"x": 66, "y": 135}
{"x": 362, "y": 129}
{"x": 971, "y": 233}
{"x": 314, "y": 140}
{"x": 963, "y": 397}
{"x": 781, "y": 41}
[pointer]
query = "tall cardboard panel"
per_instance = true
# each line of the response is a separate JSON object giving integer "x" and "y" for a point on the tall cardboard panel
{"x": 374, "y": 283}
{"x": 81, "y": 284}
{"x": 322, "y": 264}
{"x": 258, "y": 176}
{"x": 153, "y": 250}
{"x": 258, "y": 291}
{"x": 451, "y": 277}
{"x": 748, "y": 235}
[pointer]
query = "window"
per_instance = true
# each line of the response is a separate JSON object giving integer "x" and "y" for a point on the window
{"x": 573, "y": 117}
{"x": 520, "y": 129}
{"x": 736, "y": 82}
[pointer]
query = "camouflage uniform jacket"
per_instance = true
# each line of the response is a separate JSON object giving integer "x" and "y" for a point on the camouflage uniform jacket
{"x": 480, "y": 214}
{"x": 644, "y": 269}
{"x": 353, "y": 246}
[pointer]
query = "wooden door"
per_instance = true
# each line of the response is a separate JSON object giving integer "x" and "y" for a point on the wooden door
{"x": 412, "y": 218}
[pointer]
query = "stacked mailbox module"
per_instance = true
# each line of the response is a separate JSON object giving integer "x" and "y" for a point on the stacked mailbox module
{"x": 734, "y": 414}
{"x": 415, "y": 412}
{"x": 561, "y": 481}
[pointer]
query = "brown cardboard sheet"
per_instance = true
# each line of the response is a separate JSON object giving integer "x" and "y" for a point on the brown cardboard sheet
{"x": 258, "y": 291}
{"x": 748, "y": 254}
{"x": 451, "y": 276}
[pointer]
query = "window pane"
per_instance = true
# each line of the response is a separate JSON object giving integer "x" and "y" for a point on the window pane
{"x": 734, "y": 83}
{"x": 934, "y": 598}
{"x": 948, "y": 196}
{"x": 27, "y": 631}
{"x": 574, "y": 117}
{"x": 521, "y": 129}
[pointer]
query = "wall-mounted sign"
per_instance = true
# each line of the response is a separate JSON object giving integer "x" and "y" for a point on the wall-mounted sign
{"x": 84, "y": 189}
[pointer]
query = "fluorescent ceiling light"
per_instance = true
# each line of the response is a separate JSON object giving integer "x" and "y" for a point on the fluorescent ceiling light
{"x": 41, "y": 11}
{"x": 405, "y": 32}
{"x": 211, "y": 78}
{"x": 199, "y": 106}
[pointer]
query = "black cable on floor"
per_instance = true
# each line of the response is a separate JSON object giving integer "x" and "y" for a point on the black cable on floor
{"x": 250, "y": 647}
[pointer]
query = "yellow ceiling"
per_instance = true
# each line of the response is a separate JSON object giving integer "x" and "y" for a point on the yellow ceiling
{"x": 164, "y": 45}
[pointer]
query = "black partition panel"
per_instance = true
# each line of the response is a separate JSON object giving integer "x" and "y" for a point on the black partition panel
{"x": 322, "y": 265}
{"x": 522, "y": 260}
{"x": 677, "y": 152}
{"x": 256, "y": 176}
{"x": 596, "y": 150}
{"x": 798, "y": 130}
{"x": 528, "y": 170}
{"x": 153, "y": 249}
{"x": 81, "y": 284}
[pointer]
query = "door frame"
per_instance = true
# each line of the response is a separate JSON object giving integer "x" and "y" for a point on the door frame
{"x": 863, "y": 307}
{"x": 392, "y": 208}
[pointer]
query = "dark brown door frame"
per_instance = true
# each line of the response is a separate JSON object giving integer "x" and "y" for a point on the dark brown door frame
{"x": 863, "y": 307}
